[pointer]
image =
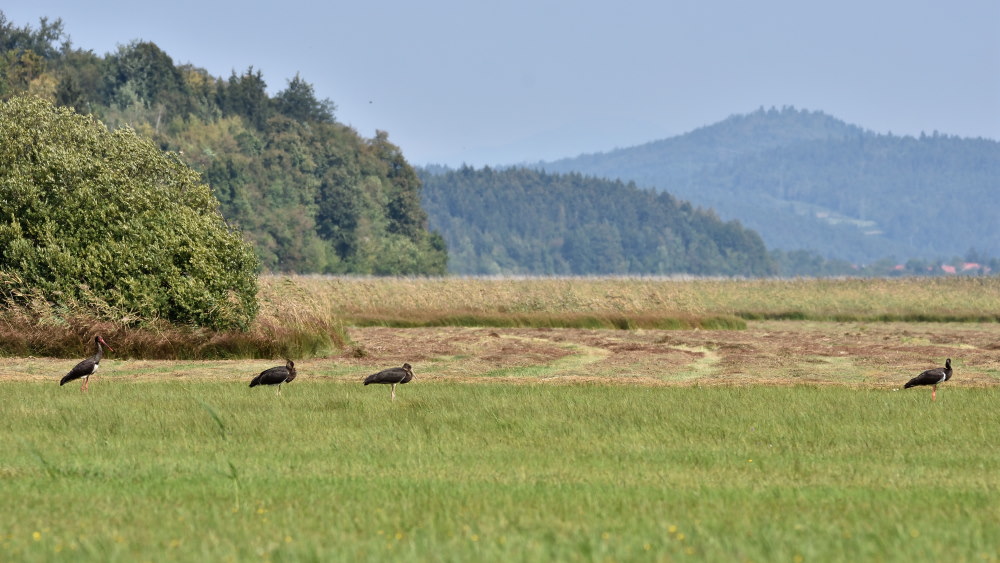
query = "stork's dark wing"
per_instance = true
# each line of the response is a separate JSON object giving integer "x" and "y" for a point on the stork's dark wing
{"x": 84, "y": 368}
{"x": 929, "y": 377}
{"x": 391, "y": 375}
{"x": 272, "y": 376}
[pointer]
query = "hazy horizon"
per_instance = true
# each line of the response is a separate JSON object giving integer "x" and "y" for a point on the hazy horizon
{"x": 454, "y": 82}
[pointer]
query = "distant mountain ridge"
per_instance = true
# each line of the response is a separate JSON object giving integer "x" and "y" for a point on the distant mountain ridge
{"x": 806, "y": 180}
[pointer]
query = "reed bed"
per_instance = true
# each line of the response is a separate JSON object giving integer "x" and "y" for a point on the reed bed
{"x": 689, "y": 302}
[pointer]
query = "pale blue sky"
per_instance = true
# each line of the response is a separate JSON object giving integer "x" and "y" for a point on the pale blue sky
{"x": 500, "y": 82}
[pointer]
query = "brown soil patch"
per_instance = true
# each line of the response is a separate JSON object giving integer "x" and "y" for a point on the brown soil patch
{"x": 772, "y": 352}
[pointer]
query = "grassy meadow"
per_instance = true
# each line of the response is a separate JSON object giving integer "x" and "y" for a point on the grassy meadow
{"x": 766, "y": 425}
{"x": 493, "y": 472}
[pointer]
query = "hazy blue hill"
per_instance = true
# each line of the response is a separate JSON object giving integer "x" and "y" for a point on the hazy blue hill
{"x": 679, "y": 158}
{"x": 807, "y": 180}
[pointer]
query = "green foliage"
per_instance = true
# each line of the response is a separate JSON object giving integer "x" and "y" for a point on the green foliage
{"x": 315, "y": 197}
{"x": 299, "y": 102}
{"x": 24, "y": 39}
{"x": 246, "y": 96}
{"x": 309, "y": 193}
{"x": 142, "y": 73}
{"x": 94, "y": 215}
{"x": 520, "y": 221}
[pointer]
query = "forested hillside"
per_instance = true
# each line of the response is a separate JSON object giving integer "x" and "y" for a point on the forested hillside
{"x": 310, "y": 193}
{"x": 521, "y": 221}
{"x": 805, "y": 180}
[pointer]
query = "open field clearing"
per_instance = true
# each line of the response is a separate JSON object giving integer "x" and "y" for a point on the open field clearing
{"x": 785, "y": 441}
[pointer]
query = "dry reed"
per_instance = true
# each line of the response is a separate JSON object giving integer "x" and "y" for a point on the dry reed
{"x": 424, "y": 299}
{"x": 30, "y": 325}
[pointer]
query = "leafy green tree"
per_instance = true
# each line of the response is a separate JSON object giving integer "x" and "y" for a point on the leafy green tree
{"x": 88, "y": 213}
{"x": 246, "y": 95}
{"x": 80, "y": 80}
{"x": 143, "y": 70}
{"x": 42, "y": 42}
{"x": 298, "y": 101}
{"x": 69, "y": 94}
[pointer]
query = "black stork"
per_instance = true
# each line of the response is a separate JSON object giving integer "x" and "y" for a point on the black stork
{"x": 276, "y": 375}
{"x": 932, "y": 377}
{"x": 87, "y": 367}
{"x": 394, "y": 376}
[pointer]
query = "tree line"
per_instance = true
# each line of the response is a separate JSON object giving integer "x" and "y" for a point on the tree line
{"x": 309, "y": 193}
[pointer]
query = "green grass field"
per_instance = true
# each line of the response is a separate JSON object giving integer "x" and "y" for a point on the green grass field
{"x": 329, "y": 471}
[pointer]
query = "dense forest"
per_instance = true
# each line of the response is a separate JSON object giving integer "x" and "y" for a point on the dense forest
{"x": 307, "y": 191}
{"x": 521, "y": 221}
{"x": 805, "y": 180}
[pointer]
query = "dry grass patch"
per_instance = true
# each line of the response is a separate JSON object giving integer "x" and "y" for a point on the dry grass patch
{"x": 307, "y": 316}
{"x": 876, "y": 355}
{"x": 689, "y": 301}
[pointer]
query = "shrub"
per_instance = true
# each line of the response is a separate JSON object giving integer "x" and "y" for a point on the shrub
{"x": 105, "y": 217}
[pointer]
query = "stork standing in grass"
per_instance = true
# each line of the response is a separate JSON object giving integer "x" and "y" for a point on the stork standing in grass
{"x": 87, "y": 367}
{"x": 932, "y": 377}
{"x": 393, "y": 376}
{"x": 276, "y": 375}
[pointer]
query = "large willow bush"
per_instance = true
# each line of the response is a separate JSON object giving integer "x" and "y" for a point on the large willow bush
{"x": 89, "y": 215}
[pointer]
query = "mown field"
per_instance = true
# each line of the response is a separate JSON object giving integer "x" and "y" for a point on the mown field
{"x": 781, "y": 440}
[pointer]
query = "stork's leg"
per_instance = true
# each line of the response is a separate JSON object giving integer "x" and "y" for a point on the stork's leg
{"x": 393, "y": 391}
{"x": 86, "y": 382}
{"x": 279, "y": 389}
{"x": 934, "y": 393}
